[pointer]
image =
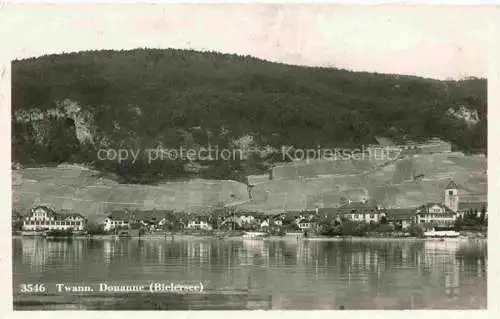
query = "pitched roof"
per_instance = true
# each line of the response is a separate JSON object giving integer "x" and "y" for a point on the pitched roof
{"x": 198, "y": 219}
{"x": 315, "y": 219}
{"x": 140, "y": 214}
{"x": 447, "y": 210}
{"x": 357, "y": 205}
{"x": 44, "y": 207}
{"x": 119, "y": 214}
{"x": 304, "y": 220}
{"x": 452, "y": 185}
{"x": 150, "y": 214}
{"x": 65, "y": 213}
{"x": 330, "y": 212}
{"x": 400, "y": 213}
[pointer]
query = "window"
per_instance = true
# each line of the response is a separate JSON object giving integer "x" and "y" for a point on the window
{"x": 450, "y": 193}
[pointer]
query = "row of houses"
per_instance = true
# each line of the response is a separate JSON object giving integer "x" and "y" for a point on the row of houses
{"x": 444, "y": 213}
{"x": 154, "y": 219}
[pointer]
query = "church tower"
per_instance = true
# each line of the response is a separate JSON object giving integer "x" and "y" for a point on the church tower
{"x": 451, "y": 199}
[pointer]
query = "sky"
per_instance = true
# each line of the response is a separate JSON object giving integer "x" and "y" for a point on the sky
{"x": 430, "y": 41}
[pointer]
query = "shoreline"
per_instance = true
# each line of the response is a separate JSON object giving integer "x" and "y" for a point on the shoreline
{"x": 170, "y": 237}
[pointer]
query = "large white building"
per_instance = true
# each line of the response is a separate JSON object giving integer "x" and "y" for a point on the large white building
{"x": 442, "y": 214}
{"x": 44, "y": 218}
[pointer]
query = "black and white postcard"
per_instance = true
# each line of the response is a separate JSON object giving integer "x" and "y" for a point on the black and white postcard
{"x": 285, "y": 156}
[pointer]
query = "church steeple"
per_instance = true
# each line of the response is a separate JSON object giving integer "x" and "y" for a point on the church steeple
{"x": 451, "y": 199}
{"x": 452, "y": 185}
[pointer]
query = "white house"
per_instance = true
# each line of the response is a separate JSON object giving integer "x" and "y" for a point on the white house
{"x": 110, "y": 223}
{"x": 435, "y": 213}
{"x": 199, "y": 223}
{"x": 305, "y": 224}
{"x": 264, "y": 224}
{"x": 149, "y": 219}
{"x": 442, "y": 214}
{"x": 361, "y": 211}
{"x": 278, "y": 222}
{"x": 117, "y": 219}
{"x": 44, "y": 218}
{"x": 244, "y": 219}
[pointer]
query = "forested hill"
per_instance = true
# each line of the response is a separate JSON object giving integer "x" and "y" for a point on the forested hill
{"x": 67, "y": 106}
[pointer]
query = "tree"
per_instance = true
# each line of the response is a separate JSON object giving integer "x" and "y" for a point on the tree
{"x": 415, "y": 230}
{"x": 383, "y": 220}
{"x": 482, "y": 218}
{"x": 248, "y": 96}
{"x": 17, "y": 225}
{"x": 458, "y": 223}
{"x": 329, "y": 228}
{"x": 95, "y": 229}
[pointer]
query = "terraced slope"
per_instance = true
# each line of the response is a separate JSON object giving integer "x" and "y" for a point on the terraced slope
{"x": 83, "y": 191}
{"x": 404, "y": 183}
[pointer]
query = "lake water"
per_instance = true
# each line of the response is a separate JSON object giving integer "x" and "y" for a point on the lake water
{"x": 287, "y": 274}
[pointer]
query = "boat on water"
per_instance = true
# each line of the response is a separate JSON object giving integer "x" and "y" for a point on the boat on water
{"x": 33, "y": 233}
{"x": 441, "y": 233}
{"x": 254, "y": 234}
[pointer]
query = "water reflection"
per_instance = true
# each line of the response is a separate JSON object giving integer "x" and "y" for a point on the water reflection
{"x": 303, "y": 275}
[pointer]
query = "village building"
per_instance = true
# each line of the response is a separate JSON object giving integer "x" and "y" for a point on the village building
{"x": 199, "y": 223}
{"x": 437, "y": 214}
{"x": 299, "y": 216}
{"x": 305, "y": 224}
{"x": 441, "y": 214}
{"x": 243, "y": 219}
{"x": 446, "y": 213}
{"x": 116, "y": 220}
{"x": 123, "y": 219}
{"x": 277, "y": 221}
{"x": 239, "y": 219}
{"x": 151, "y": 219}
{"x": 45, "y": 218}
{"x": 451, "y": 198}
{"x": 361, "y": 211}
{"x": 264, "y": 225}
{"x": 401, "y": 217}
{"x": 329, "y": 213}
